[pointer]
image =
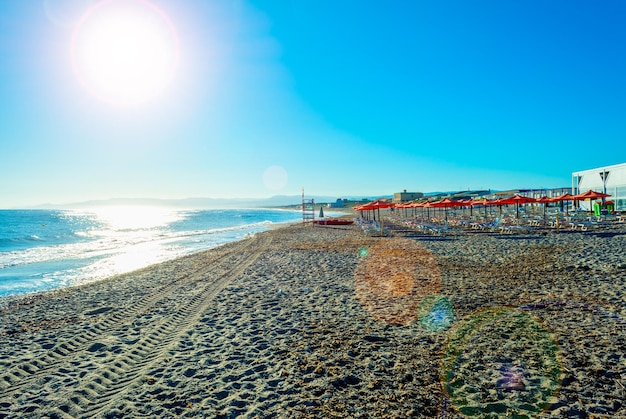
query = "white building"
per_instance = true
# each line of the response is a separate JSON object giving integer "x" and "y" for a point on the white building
{"x": 609, "y": 179}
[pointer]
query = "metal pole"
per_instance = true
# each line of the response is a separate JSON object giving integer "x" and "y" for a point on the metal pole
{"x": 604, "y": 172}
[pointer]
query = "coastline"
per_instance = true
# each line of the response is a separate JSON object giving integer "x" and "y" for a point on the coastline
{"x": 278, "y": 324}
{"x": 50, "y": 249}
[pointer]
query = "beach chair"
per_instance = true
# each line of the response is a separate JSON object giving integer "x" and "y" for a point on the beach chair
{"x": 580, "y": 225}
{"x": 367, "y": 225}
{"x": 518, "y": 229}
{"x": 490, "y": 226}
{"x": 494, "y": 225}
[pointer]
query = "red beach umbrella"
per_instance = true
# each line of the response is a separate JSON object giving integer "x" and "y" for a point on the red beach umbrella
{"x": 403, "y": 205}
{"x": 591, "y": 196}
{"x": 564, "y": 197}
{"x": 499, "y": 202}
{"x": 478, "y": 202}
{"x": 418, "y": 204}
{"x": 465, "y": 203}
{"x": 415, "y": 204}
{"x": 445, "y": 203}
{"x": 428, "y": 206}
{"x": 544, "y": 200}
{"x": 377, "y": 205}
{"x": 383, "y": 203}
{"x": 518, "y": 199}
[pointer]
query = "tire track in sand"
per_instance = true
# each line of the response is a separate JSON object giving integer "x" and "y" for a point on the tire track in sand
{"x": 100, "y": 387}
{"x": 25, "y": 373}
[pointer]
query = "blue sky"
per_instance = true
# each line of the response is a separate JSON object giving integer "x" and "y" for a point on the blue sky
{"x": 339, "y": 97}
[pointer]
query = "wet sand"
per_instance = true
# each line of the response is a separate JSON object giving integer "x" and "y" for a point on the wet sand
{"x": 323, "y": 322}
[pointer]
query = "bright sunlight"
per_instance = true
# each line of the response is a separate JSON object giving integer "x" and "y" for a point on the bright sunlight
{"x": 136, "y": 217}
{"x": 124, "y": 51}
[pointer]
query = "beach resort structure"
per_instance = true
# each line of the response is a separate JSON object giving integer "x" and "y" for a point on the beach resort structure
{"x": 607, "y": 179}
{"x": 531, "y": 193}
{"x": 404, "y": 196}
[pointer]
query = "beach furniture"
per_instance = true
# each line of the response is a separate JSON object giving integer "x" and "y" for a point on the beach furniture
{"x": 491, "y": 226}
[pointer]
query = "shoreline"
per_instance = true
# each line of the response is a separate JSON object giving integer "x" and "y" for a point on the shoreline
{"x": 290, "y": 322}
{"x": 78, "y": 281}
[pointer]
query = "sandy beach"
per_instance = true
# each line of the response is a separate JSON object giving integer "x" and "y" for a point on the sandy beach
{"x": 325, "y": 322}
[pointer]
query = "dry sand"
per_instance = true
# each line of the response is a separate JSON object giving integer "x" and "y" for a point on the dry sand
{"x": 322, "y": 322}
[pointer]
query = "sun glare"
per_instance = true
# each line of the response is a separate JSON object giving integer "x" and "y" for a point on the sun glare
{"x": 135, "y": 218}
{"x": 124, "y": 51}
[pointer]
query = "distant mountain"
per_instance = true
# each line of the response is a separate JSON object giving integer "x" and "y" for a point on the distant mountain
{"x": 208, "y": 203}
{"x": 192, "y": 203}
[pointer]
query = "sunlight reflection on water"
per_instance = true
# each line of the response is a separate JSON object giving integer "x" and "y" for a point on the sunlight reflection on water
{"x": 136, "y": 218}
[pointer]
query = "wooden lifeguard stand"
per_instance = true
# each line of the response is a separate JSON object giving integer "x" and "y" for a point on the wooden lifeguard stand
{"x": 308, "y": 209}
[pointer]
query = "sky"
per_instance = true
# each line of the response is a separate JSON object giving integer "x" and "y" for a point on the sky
{"x": 250, "y": 99}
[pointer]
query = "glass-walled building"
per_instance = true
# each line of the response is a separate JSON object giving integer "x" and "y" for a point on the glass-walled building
{"x": 609, "y": 179}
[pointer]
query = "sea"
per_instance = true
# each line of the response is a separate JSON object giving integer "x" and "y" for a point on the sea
{"x": 48, "y": 249}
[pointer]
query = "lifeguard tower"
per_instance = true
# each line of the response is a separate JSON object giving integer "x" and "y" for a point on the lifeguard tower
{"x": 308, "y": 209}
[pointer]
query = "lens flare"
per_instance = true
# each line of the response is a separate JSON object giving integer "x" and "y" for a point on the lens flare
{"x": 65, "y": 13}
{"x": 435, "y": 313}
{"x": 275, "y": 177}
{"x": 501, "y": 362}
{"x": 392, "y": 278}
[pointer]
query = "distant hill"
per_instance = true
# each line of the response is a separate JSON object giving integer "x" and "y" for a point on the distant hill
{"x": 193, "y": 203}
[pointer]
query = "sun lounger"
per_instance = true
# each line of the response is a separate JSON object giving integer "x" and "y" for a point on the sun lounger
{"x": 491, "y": 226}
{"x": 582, "y": 226}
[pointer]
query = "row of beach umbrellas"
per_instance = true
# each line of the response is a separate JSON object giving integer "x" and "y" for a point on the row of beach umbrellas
{"x": 446, "y": 203}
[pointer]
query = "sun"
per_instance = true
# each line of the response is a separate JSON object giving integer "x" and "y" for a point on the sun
{"x": 124, "y": 52}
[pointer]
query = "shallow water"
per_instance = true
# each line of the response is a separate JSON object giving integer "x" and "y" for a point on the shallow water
{"x": 46, "y": 249}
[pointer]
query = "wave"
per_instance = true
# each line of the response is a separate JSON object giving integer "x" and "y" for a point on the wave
{"x": 108, "y": 242}
{"x": 75, "y": 248}
{"x": 20, "y": 242}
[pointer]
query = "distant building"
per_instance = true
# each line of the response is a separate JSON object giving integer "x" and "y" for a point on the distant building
{"x": 469, "y": 194}
{"x": 607, "y": 179}
{"x": 532, "y": 193}
{"x": 550, "y": 193}
{"x": 341, "y": 203}
{"x": 405, "y": 196}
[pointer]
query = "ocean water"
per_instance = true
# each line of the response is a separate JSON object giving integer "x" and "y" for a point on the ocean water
{"x": 47, "y": 249}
